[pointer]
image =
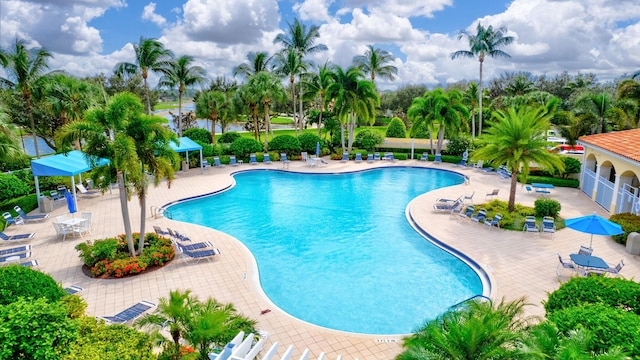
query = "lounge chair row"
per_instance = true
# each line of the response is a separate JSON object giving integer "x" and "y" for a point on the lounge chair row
{"x": 129, "y": 314}
{"x": 548, "y": 225}
{"x": 16, "y": 255}
{"x": 192, "y": 251}
{"x": 481, "y": 217}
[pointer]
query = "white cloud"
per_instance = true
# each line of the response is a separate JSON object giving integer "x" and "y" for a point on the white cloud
{"x": 149, "y": 13}
{"x": 314, "y": 10}
{"x": 404, "y": 8}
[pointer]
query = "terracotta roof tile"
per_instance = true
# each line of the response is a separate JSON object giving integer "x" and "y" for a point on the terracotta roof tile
{"x": 624, "y": 143}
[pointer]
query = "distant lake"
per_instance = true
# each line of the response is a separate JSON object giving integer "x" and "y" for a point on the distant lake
{"x": 29, "y": 148}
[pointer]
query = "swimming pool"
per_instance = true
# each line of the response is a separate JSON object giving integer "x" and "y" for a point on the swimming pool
{"x": 336, "y": 250}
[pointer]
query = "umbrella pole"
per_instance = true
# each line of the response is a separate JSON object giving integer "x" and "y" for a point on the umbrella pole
{"x": 591, "y": 242}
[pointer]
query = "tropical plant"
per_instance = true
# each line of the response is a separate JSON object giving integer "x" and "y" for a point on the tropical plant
{"x": 209, "y": 105}
{"x": 9, "y": 148}
{"x": 630, "y": 90}
{"x": 198, "y": 134}
{"x": 316, "y": 86}
{"x": 24, "y": 70}
{"x": 517, "y": 139}
{"x": 598, "y": 105}
{"x": 420, "y": 114}
{"x": 396, "y": 128}
{"x": 69, "y": 97}
{"x": 479, "y": 330}
{"x": 181, "y": 74}
{"x": 21, "y": 282}
{"x": 256, "y": 62}
{"x": 266, "y": 88}
{"x": 471, "y": 99}
{"x": 376, "y": 61}
{"x": 150, "y": 56}
{"x": 289, "y": 62}
{"x": 486, "y": 41}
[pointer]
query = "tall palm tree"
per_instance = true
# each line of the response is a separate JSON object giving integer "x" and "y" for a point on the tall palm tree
{"x": 289, "y": 63}
{"x": 150, "y": 56}
{"x": 317, "y": 85}
{"x": 485, "y": 42}
{"x": 302, "y": 40}
{"x": 420, "y": 114}
{"x": 599, "y": 104}
{"x": 182, "y": 74}
{"x": 518, "y": 138}
{"x": 246, "y": 100}
{"x": 476, "y": 331}
{"x": 447, "y": 109}
{"x": 375, "y": 62}
{"x": 25, "y": 68}
{"x": 209, "y": 105}
{"x": 471, "y": 99}
{"x": 256, "y": 62}
{"x": 267, "y": 88}
{"x": 630, "y": 90}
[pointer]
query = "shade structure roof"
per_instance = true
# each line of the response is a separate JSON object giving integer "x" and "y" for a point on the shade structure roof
{"x": 186, "y": 144}
{"x": 72, "y": 163}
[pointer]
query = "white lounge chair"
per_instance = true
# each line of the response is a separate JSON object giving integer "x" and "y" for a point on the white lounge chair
{"x": 86, "y": 192}
{"x": 495, "y": 221}
{"x": 271, "y": 352}
{"x": 548, "y": 225}
{"x": 26, "y": 217}
{"x": 240, "y": 351}
{"x": 530, "y": 224}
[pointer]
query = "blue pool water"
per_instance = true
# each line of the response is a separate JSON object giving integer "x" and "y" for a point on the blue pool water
{"x": 337, "y": 250}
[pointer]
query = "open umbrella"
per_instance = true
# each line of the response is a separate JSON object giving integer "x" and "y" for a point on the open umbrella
{"x": 71, "y": 205}
{"x": 594, "y": 224}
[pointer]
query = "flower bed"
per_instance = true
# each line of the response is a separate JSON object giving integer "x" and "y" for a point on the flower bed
{"x": 110, "y": 258}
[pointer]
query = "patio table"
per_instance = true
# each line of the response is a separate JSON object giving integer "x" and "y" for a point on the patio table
{"x": 588, "y": 261}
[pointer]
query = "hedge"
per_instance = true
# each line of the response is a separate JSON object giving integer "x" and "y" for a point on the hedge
{"x": 19, "y": 281}
{"x": 629, "y": 222}
{"x": 570, "y": 183}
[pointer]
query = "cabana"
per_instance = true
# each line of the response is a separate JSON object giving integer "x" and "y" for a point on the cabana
{"x": 185, "y": 145}
{"x": 70, "y": 164}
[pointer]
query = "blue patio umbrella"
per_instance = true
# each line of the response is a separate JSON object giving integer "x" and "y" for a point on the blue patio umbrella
{"x": 594, "y": 224}
{"x": 71, "y": 205}
{"x": 317, "y": 149}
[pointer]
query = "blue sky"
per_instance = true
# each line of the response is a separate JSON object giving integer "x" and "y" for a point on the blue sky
{"x": 90, "y": 36}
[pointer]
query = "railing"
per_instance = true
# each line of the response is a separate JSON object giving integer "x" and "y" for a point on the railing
{"x": 157, "y": 212}
{"x": 604, "y": 194}
{"x": 474, "y": 297}
{"x": 588, "y": 182}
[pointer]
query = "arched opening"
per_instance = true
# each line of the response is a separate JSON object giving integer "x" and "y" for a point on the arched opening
{"x": 605, "y": 185}
{"x": 628, "y": 197}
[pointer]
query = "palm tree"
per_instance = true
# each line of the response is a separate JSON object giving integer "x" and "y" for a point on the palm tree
{"x": 470, "y": 98}
{"x": 353, "y": 97}
{"x": 246, "y": 99}
{"x": 317, "y": 85}
{"x": 181, "y": 74}
{"x": 599, "y": 104}
{"x": 266, "y": 87}
{"x": 485, "y": 42}
{"x": 420, "y": 114}
{"x": 150, "y": 56}
{"x": 630, "y": 90}
{"x": 518, "y": 138}
{"x": 447, "y": 109}
{"x": 257, "y": 62}
{"x": 478, "y": 330}
{"x": 69, "y": 97}
{"x": 9, "y": 148}
{"x": 289, "y": 62}
{"x": 375, "y": 62}
{"x": 209, "y": 105}
{"x": 302, "y": 40}
{"x": 25, "y": 68}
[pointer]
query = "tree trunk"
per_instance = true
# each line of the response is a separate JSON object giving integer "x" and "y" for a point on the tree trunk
{"x": 431, "y": 140}
{"x": 266, "y": 124}
{"x": 124, "y": 206}
{"x": 512, "y": 190}
{"x": 480, "y": 98}
{"x": 146, "y": 93}
{"x": 352, "y": 122}
{"x": 342, "y": 135}
{"x": 440, "y": 139}
{"x": 254, "y": 114}
{"x": 214, "y": 118}
{"x": 179, "y": 111}
{"x": 293, "y": 99}
{"x": 301, "y": 118}
{"x": 32, "y": 123}
{"x": 473, "y": 124}
{"x": 143, "y": 210}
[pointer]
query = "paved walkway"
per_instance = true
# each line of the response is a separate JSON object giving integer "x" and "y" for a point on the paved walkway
{"x": 519, "y": 264}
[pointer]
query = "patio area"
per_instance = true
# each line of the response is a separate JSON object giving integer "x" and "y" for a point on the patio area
{"x": 518, "y": 263}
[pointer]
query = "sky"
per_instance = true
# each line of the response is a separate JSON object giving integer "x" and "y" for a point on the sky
{"x": 88, "y": 37}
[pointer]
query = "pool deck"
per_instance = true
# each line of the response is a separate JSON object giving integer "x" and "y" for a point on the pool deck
{"x": 519, "y": 264}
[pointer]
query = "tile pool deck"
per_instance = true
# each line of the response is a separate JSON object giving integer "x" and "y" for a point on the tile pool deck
{"x": 519, "y": 264}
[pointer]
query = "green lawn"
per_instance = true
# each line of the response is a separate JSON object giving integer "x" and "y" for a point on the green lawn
{"x": 166, "y": 105}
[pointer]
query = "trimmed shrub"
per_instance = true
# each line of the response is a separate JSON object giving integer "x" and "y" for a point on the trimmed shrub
{"x": 242, "y": 147}
{"x": 457, "y": 145}
{"x": 396, "y": 129}
{"x": 207, "y": 148}
{"x": 228, "y": 137}
{"x": 570, "y": 183}
{"x": 198, "y": 134}
{"x": 547, "y": 207}
{"x": 367, "y": 139}
{"x": 12, "y": 187}
{"x": 615, "y": 292}
{"x": 285, "y": 143}
{"x": 571, "y": 166}
{"x": 629, "y": 222}
{"x": 308, "y": 142}
{"x": 421, "y": 132}
{"x": 610, "y": 326}
{"x": 19, "y": 281}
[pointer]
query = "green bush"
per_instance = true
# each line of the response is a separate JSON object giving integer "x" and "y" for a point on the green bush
{"x": 457, "y": 145}
{"x": 242, "y": 147}
{"x": 21, "y": 162}
{"x": 629, "y": 222}
{"x": 12, "y": 187}
{"x": 198, "y": 134}
{"x": 547, "y": 207}
{"x": 207, "y": 149}
{"x": 97, "y": 341}
{"x": 93, "y": 252}
{"x": 285, "y": 144}
{"x": 35, "y": 329}
{"x": 571, "y": 166}
{"x": 421, "y": 132}
{"x": 308, "y": 142}
{"x": 610, "y": 326}
{"x": 396, "y": 129}
{"x": 19, "y": 281}
{"x": 228, "y": 137}
{"x": 367, "y": 139}
{"x": 75, "y": 305}
{"x": 570, "y": 183}
{"x": 614, "y": 292}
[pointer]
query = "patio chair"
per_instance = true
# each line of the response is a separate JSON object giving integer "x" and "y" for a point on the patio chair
{"x": 129, "y": 314}
{"x": 492, "y": 194}
{"x": 30, "y": 263}
{"x": 84, "y": 191}
{"x": 449, "y": 201}
{"x": 17, "y": 237}
{"x": 468, "y": 197}
{"x": 495, "y": 221}
{"x": 15, "y": 257}
{"x": 15, "y": 250}
{"x": 197, "y": 255}
{"x": 267, "y": 159}
{"x": 389, "y": 157}
{"x": 528, "y": 188}
{"x": 358, "y": 158}
{"x": 369, "y": 158}
{"x": 424, "y": 157}
{"x": 194, "y": 246}
{"x": 345, "y": 157}
{"x": 62, "y": 189}
{"x": 55, "y": 195}
{"x": 25, "y": 217}
{"x": 548, "y": 225}
{"x": 62, "y": 218}
{"x": 233, "y": 161}
{"x": 205, "y": 163}
{"x": 480, "y": 216}
{"x": 178, "y": 235}
{"x": 479, "y": 165}
{"x": 10, "y": 220}
{"x": 63, "y": 230}
{"x": 468, "y": 212}
{"x": 284, "y": 161}
{"x": 73, "y": 289}
{"x": 216, "y": 162}
{"x": 615, "y": 270}
{"x": 376, "y": 156}
{"x": 562, "y": 265}
{"x": 447, "y": 207}
{"x": 83, "y": 227}
{"x": 158, "y": 230}
{"x": 253, "y": 159}
{"x": 438, "y": 158}
{"x": 304, "y": 156}
{"x": 585, "y": 250}
{"x": 530, "y": 224}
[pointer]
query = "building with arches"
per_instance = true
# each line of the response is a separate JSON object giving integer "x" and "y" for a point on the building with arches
{"x": 611, "y": 169}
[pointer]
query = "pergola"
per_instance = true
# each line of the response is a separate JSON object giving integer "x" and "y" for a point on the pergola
{"x": 69, "y": 164}
{"x": 185, "y": 145}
